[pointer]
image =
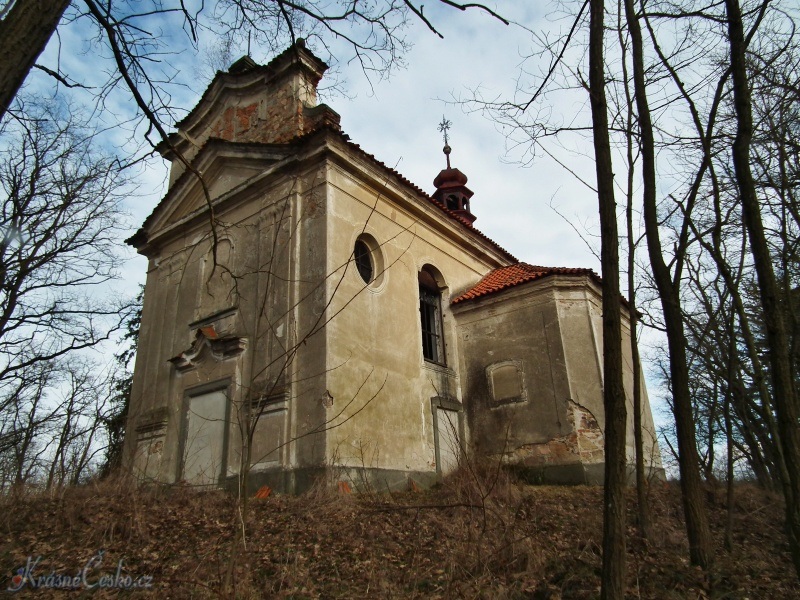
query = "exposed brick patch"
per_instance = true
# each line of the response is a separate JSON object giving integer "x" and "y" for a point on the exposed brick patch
{"x": 284, "y": 119}
{"x": 590, "y": 439}
{"x": 584, "y": 444}
{"x": 557, "y": 451}
{"x": 244, "y": 116}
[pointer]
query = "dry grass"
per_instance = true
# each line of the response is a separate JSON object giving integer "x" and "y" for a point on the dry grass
{"x": 479, "y": 535}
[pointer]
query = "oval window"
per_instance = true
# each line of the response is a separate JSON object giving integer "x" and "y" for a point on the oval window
{"x": 363, "y": 258}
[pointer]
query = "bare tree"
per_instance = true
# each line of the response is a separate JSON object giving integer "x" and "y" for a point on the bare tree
{"x": 24, "y": 416}
{"x": 613, "y": 577}
{"x": 60, "y": 224}
{"x": 127, "y": 34}
{"x": 81, "y": 405}
{"x": 52, "y": 435}
{"x": 693, "y": 504}
{"x": 782, "y": 378}
{"x": 631, "y": 156}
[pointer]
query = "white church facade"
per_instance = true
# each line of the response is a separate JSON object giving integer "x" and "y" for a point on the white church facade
{"x": 310, "y": 313}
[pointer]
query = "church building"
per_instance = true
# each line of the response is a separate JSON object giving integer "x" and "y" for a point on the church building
{"x": 310, "y": 314}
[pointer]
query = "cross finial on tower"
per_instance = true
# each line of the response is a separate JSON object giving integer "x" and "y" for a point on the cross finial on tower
{"x": 444, "y": 126}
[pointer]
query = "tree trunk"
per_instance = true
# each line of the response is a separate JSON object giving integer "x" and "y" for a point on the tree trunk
{"x": 782, "y": 383}
{"x": 729, "y": 475}
{"x": 642, "y": 503}
{"x": 693, "y": 503}
{"x": 24, "y": 33}
{"x": 642, "y": 482}
{"x": 613, "y": 576}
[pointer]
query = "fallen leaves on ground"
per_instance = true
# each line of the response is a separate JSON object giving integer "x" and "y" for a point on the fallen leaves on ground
{"x": 468, "y": 538}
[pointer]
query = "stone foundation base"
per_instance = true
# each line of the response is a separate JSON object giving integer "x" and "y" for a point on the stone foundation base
{"x": 576, "y": 474}
{"x": 297, "y": 481}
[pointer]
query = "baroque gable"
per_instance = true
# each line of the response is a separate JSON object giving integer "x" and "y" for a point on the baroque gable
{"x": 224, "y": 168}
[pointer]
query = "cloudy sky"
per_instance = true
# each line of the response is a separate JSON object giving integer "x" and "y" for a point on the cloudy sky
{"x": 397, "y": 121}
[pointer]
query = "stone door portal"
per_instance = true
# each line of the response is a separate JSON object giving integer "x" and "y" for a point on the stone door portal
{"x": 204, "y": 447}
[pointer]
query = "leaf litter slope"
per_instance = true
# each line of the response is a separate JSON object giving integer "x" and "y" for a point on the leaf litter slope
{"x": 461, "y": 540}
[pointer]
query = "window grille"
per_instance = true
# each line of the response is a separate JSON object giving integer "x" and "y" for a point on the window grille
{"x": 430, "y": 312}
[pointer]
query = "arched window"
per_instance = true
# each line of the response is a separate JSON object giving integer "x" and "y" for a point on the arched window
{"x": 430, "y": 315}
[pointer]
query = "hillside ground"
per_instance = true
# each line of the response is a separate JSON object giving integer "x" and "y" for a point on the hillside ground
{"x": 472, "y": 537}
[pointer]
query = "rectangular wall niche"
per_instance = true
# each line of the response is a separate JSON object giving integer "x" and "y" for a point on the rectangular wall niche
{"x": 506, "y": 382}
{"x": 204, "y": 446}
{"x": 271, "y": 413}
{"x": 151, "y": 433}
{"x": 447, "y": 434}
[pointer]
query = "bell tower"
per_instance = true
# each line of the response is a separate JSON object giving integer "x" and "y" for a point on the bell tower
{"x": 451, "y": 184}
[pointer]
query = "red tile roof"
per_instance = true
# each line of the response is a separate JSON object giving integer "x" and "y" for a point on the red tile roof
{"x": 512, "y": 275}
